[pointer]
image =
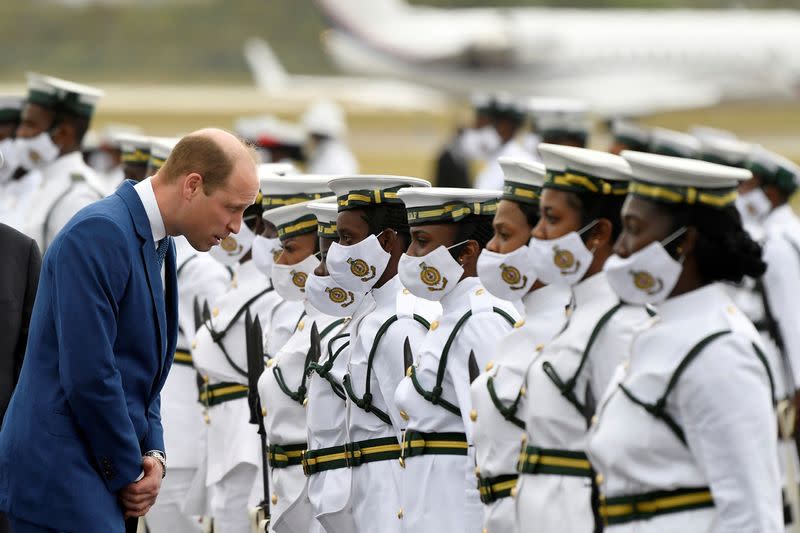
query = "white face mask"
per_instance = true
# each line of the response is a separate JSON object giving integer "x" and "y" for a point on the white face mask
{"x": 508, "y": 276}
{"x": 325, "y": 295}
{"x": 753, "y": 206}
{"x": 8, "y": 147}
{"x": 481, "y": 143}
{"x": 357, "y": 267}
{"x": 647, "y": 276}
{"x": 101, "y": 161}
{"x": 233, "y": 247}
{"x": 431, "y": 276}
{"x": 265, "y": 253}
{"x": 561, "y": 261}
{"x": 36, "y": 151}
{"x": 290, "y": 280}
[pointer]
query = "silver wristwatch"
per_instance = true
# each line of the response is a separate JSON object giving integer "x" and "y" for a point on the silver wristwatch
{"x": 161, "y": 458}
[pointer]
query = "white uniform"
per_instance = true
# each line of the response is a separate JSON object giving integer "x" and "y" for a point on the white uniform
{"x": 557, "y": 495}
{"x": 375, "y": 496}
{"x": 233, "y": 449}
{"x": 67, "y": 185}
{"x": 721, "y": 403}
{"x": 496, "y": 433}
{"x": 332, "y": 156}
{"x": 439, "y": 491}
{"x": 201, "y": 277}
{"x": 491, "y": 177}
{"x": 329, "y": 490}
{"x": 15, "y": 197}
{"x": 285, "y": 422}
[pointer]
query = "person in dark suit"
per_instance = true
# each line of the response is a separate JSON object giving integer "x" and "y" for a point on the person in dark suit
{"x": 82, "y": 447}
{"x": 19, "y": 276}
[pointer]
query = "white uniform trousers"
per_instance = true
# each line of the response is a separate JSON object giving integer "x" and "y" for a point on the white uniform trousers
{"x": 229, "y": 499}
{"x": 166, "y": 515}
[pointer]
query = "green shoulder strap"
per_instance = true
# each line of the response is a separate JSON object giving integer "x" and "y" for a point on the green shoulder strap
{"x": 435, "y": 395}
{"x": 365, "y": 402}
{"x": 567, "y": 387}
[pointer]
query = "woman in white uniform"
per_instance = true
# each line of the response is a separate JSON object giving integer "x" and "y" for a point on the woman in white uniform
{"x": 685, "y": 437}
{"x": 505, "y": 269}
{"x": 581, "y": 198}
{"x": 283, "y": 385}
{"x": 449, "y": 227}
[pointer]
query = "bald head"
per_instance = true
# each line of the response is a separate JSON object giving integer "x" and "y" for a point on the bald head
{"x": 212, "y": 153}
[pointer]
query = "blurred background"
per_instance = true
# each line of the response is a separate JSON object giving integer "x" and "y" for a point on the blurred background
{"x": 171, "y": 66}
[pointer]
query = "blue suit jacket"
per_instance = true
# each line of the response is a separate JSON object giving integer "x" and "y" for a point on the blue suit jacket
{"x": 100, "y": 346}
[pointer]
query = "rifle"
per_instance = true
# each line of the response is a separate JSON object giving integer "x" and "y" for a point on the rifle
{"x": 255, "y": 367}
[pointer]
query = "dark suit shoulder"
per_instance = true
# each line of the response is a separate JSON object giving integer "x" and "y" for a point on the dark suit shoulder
{"x": 14, "y": 241}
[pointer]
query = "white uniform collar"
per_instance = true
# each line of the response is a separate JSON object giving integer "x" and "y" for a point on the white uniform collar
{"x": 545, "y": 298}
{"x": 387, "y": 294}
{"x": 779, "y": 217}
{"x": 458, "y": 298}
{"x": 678, "y": 307}
{"x": 148, "y": 197}
{"x": 591, "y": 288}
{"x": 64, "y": 165}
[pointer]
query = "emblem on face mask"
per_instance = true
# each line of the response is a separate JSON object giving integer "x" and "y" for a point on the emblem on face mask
{"x": 299, "y": 279}
{"x": 565, "y": 261}
{"x": 360, "y": 269}
{"x": 230, "y": 245}
{"x": 340, "y": 296}
{"x": 751, "y": 209}
{"x": 512, "y": 277}
{"x": 645, "y": 281}
{"x": 431, "y": 277}
{"x": 35, "y": 156}
{"x": 276, "y": 253}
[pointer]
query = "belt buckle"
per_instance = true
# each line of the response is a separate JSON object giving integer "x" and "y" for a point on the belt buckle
{"x": 304, "y": 462}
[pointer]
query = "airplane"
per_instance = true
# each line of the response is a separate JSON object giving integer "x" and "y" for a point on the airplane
{"x": 620, "y": 61}
{"x": 380, "y": 94}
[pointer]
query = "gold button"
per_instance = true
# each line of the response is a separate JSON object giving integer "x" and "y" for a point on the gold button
{"x": 205, "y": 379}
{"x": 215, "y": 312}
{"x": 194, "y": 344}
{"x": 524, "y": 438}
{"x": 513, "y": 492}
{"x": 263, "y": 411}
{"x": 599, "y": 479}
{"x": 206, "y": 418}
{"x": 539, "y": 347}
{"x": 594, "y": 419}
{"x": 270, "y": 362}
{"x": 403, "y": 415}
{"x": 473, "y": 415}
{"x": 301, "y": 325}
{"x": 274, "y": 498}
{"x": 485, "y": 530}
{"x": 523, "y": 391}
{"x": 305, "y": 401}
{"x": 479, "y": 292}
{"x": 434, "y": 325}
{"x": 400, "y": 513}
{"x": 732, "y": 309}
{"x": 519, "y": 323}
{"x": 409, "y": 370}
{"x": 489, "y": 366}
{"x": 406, "y": 291}
{"x": 477, "y": 472}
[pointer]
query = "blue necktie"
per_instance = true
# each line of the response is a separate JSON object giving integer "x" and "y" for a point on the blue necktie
{"x": 161, "y": 251}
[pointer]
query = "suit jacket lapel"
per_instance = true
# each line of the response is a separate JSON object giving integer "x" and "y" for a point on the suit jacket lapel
{"x": 142, "y": 225}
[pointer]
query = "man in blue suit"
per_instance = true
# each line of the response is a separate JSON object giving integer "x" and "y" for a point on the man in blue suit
{"x": 82, "y": 445}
